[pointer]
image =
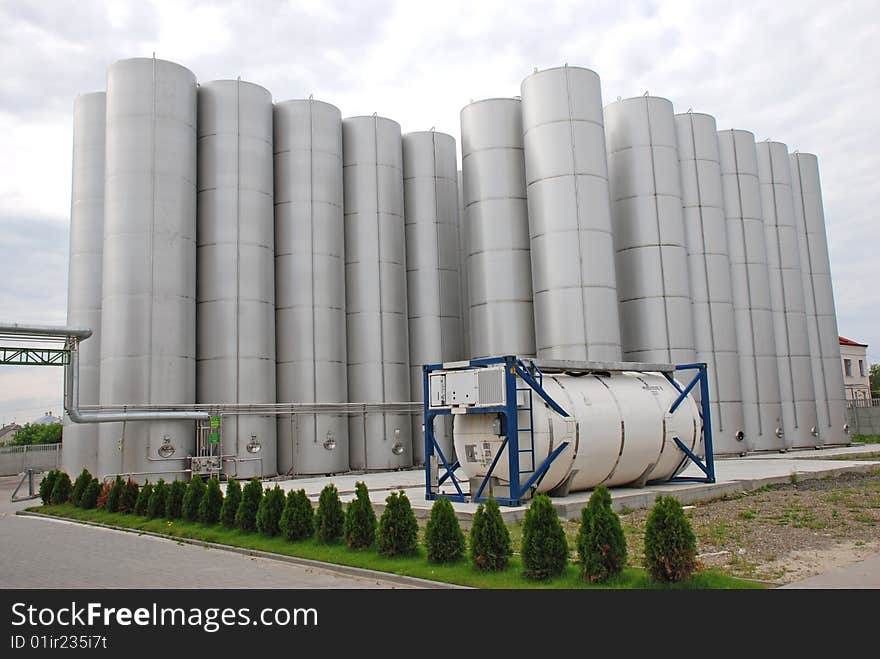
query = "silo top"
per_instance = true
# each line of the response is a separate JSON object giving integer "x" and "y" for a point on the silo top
{"x": 562, "y": 94}
{"x": 697, "y": 136}
{"x": 233, "y": 106}
{"x": 361, "y": 146}
{"x": 428, "y": 153}
{"x": 491, "y": 123}
{"x": 630, "y": 122}
{"x": 137, "y": 62}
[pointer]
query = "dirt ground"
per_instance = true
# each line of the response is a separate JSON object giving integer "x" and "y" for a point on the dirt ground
{"x": 782, "y": 533}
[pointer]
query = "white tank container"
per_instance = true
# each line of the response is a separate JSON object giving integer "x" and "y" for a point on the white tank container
{"x": 80, "y": 447}
{"x": 430, "y": 193}
{"x": 653, "y": 285}
{"x": 619, "y": 432}
{"x": 819, "y": 296}
{"x": 572, "y": 245}
{"x": 797, "y": 396}
{"x": 709, "y": 268}
{"x": 235, "y": 313}
{"x": 502, "y": 321}
{"x": 375, "y": 285}
{"x": 310, "y": 285}
{"x": 148, "y": 323}
{"x": 749, "y": 277}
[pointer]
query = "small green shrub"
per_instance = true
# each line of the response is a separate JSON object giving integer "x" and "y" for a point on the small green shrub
{"x": 329, "y": 520}
{"x": 174, "y": 500}
{"x": 670, "y": 545}
{"x": 156, "y": 504}
{"x": 128, "y": 498}
{"x": 211, "y": 503}
{"x": 115, "y": 495}
{"x": 104, "y": 495}
{"x": 143, "y": 500}
{"x": 398, "y": 531}
{"x": 61, "y": 489}
{"x": 230, "y": 503}
{"x": 192, "y": 498}
{"x": 601, "y": 543}
{"x": 360, "y": 520}
{"x": 298, "y": 519}
{"x": 89, "y": 499}
{"x": 490, "y": 538}
{"x": 443, "y": 535}
{"x": 79, "y": 487}
{"x": 544, "y": 547}
{"x": 270, "y": 510}
{"x": 246, "y": 515}
{"x": 46, "y": 486}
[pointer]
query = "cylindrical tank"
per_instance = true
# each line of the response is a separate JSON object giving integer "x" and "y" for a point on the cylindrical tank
{"x": 750, "y": 279}
{"x": 430, "y": 194}
{"x": 148, "y": 320}
{"x": 375, "y": 285}
{"x": 619, "y": 432}
{"x": 572, "y": 245}
{"x": 80, "y": 447}
{"x": 653, "y": 287}
{"x": 502, "y": 321}
{"x": 709, "y": 269}
{"x": 797, "y": 396}
{"x": 819, "y": 296}
{"x": 310, "y": 285}
{"x": 463, "y": 250}
{"x": 235, "y": 312}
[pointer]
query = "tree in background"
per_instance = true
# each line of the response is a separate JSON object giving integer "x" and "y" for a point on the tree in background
{"x": 33, "y": 434}
{"x": 874, "y": 376}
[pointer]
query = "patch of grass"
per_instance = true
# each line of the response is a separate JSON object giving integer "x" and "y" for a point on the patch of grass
{"x": 461, "y": 572}
{"x": 748, "y": 514}
{"x": 866, "y": 439}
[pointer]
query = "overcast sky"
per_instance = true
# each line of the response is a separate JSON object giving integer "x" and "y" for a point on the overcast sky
{"x": 802, "y": 72}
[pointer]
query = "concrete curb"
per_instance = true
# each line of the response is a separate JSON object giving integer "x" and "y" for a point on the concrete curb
{"x": 346, "y": 570}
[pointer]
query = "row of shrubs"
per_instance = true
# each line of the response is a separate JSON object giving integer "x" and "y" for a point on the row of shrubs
{"x": 670, "y": 545}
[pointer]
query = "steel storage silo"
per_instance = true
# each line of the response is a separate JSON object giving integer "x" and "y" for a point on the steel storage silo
{"x": 430, "y": 201}
{"x": 819, "y": 296}
{"x": 652, "y": 267}
{"x": 572, "y": 246}
{"x": 797, "y": 396}
{"x": 310, "y": 285}
{"x": 148, "y": 323}
{"x": 80, "y": 447}
{"x": 709, "y": 268}
{"x": 375, "y": 287}
{"x": 235, "y": 312}
{"x": 751, "y": 291}
{"x": 463, "y": 250}
{"x": 502, "y": 320}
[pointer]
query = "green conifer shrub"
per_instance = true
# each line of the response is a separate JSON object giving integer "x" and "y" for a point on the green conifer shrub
{"x": 192, "y": 498}
{"x": 89, "y": 499}
{"x": 156, "y": 504}
{"x": 270, "y": 510}
{"x": 360, "y": 520}
{"x": 601, "y": 543}
{"x": 298, "y": 519}
{"x": 115, "y": 495}
{"x": 79, "y": 487}
{"x": 128, "y": 497}
{"x": 211, "y": 503}
{"x": 61, "y": 489}
{"x": 443, "y": 535}
{"x": 230, "y": 503}
{"x": 46, "y": 485}
{"x": 143, "y": 500}
{"x": 329, "y": 519}
{"x": 246, "y": 515}
{"x": 544, "y": 547}
{"x": 398, "y": 531}
{"x": 174, "y": 500}
{"x": 670, "y": 545}
{"x": 490, "y": 538}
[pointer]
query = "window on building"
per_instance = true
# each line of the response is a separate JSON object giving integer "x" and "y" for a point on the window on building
{"x": 862, "y": 368}
{"x": 847, "y": 367}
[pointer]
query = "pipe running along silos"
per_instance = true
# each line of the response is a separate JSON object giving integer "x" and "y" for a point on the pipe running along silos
{"x": 619, "y": 432}
{"x": 797, "y": 396}
{"x": 79, "y": 449}
{"x": 572, "y": 246}
{"x": 310, "y": 285}
{"x": 375, "y": 286}
{"x": 430, "y": 194}
{"x": 502, "y": 320}
{"x": 750, "y": 280}
{"x": 464, "y": 300}
{"x": 819, "y": 296}
{"x": 235, "y": 312}
{"x": 653, "y": 285}
{"x": 709, "y": 269}
{"x": 148, "y": 323}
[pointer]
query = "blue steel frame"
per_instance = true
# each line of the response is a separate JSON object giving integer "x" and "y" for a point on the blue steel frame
{"x": 515, "y": 368}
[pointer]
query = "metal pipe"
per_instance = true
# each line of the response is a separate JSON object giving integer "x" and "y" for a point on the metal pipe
{"x": 46, "y": 331}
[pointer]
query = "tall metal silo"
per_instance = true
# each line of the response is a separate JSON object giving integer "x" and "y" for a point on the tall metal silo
{"x": 502, "y": 320}
{"x": 235, "y": 312}
{"x": 709, "y": 268}
{"x": 463, "y": 298}
{"x": 430, "y": 201}
{"x": 375, "y": 286}
{"x": 750, "y": 279}
{"x": 310, "y": 285}
{"x": 80, "y": 447}
{"x": 797, "y": 396}
{"x": 653, "y": 284}
{"x": 148, "y": 321}
{"x": 819, "y": 296}
{"x": 572, "y": 244}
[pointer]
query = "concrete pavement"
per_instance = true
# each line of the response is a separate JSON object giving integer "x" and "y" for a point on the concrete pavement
{"x": 862, "y": 575}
